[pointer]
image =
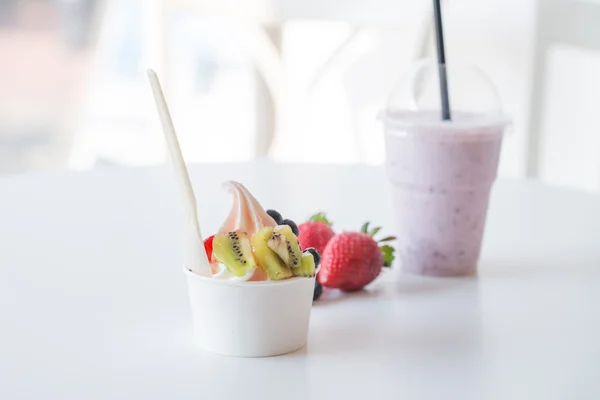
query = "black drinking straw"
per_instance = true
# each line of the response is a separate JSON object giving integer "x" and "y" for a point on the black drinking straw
{"x": 441, "y": 54}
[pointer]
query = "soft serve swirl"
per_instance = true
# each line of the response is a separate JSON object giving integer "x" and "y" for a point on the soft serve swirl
{"x": 246, "y": 215}
{"x": 256, "y": 245}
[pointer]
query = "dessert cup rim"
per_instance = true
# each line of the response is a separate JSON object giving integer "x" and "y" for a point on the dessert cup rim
{"x": 228, "y": 282}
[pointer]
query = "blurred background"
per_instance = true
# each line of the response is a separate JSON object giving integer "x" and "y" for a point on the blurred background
{"x": 296, "y": 81}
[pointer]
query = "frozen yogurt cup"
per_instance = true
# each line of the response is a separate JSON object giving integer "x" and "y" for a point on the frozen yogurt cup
{"x": 250, "y": 285}
{"x": 257, "y": 302}
{"x": 250, "y": 319}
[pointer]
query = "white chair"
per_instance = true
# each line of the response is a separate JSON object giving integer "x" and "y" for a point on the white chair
{"x": 265, "y": 19}
{"x": 262, "y": 19}
{"x": 115, "y": 123}
{"x": 370, "y": 78}
{"x": 565, "y": 22}
{"x": 111, "y": 125}
{"x": 261, "y": 42}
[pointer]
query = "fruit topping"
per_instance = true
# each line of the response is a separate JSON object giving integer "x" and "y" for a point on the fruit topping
{"x": 285, "y": 244}
{"x": 276, "y": 216}
{"x": 292, "y": 225}
{"x": 307, "y": 267}
{"x": 316, "y": 255}
{"x": 234, "y": 250}
{"x": 318, "y": 291}
{"x": 208, "y": 247}
{"x": 268, "y": 259}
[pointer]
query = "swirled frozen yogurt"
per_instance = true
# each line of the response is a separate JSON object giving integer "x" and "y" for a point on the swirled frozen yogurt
{"x": 257, "y": 245}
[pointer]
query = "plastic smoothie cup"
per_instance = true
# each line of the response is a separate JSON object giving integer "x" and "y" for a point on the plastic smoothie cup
{"x": 441, "y": 175}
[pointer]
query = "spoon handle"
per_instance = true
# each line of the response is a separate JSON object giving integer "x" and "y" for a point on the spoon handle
{"x": 196, "y": 256}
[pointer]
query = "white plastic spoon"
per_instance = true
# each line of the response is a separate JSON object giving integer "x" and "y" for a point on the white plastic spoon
{"x": 196, "y": 258}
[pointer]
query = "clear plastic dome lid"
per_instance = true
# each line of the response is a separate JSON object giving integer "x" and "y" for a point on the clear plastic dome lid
{"x": 473, "y": 98}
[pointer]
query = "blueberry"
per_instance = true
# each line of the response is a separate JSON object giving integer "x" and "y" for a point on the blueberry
{"x": 292, "y": 225}
{"x": 315, "y": 254}
{"x": 276, "y": 216}
{"x": 318, "y": 290}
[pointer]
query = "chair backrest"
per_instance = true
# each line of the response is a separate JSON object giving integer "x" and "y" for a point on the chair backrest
{"x": 573, "y": 22}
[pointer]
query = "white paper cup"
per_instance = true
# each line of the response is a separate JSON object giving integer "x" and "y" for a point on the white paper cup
{"x": 250, "y": 319}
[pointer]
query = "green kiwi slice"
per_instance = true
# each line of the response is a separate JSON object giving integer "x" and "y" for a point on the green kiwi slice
{"x": 266, "y": 258}
{"x": 307, "y": 266}
{"x": 234, "y": 250}
{"x": 285, "y": 244}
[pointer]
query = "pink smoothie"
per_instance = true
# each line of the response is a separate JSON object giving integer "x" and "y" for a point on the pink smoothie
{"x": 441, "y": 175}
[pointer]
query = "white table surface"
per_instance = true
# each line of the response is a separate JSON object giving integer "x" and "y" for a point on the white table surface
{"x": 93, "y": 304}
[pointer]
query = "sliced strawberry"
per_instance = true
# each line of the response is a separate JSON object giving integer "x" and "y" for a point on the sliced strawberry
{"x": 208, "y": 247}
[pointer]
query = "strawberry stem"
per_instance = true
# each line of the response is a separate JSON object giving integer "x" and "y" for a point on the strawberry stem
{"x": 388, "y": 255}
{"x": 365, "y": 227}
{"x": 387, "y": 239}
{"x": 387, "y": 251}
{"x": 374, "y": 231}
{"x": 320, "y": 217}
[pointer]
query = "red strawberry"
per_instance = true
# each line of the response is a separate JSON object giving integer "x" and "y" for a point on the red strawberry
{"x": 315, "y": 233}
{"x": 352, "y": 260}
{"x": 208, "y": 247}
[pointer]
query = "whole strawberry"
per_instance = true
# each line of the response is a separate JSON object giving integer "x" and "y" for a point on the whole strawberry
{"x": 315, "y": 233}
{"x": 352, "y": 260}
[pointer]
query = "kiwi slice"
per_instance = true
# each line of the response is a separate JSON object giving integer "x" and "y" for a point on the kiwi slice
{"x": 285, "y": 244}
{"x": 234, "y": 250}
{"x": 307, "y": 266}
{"x": 266, "y": 258}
